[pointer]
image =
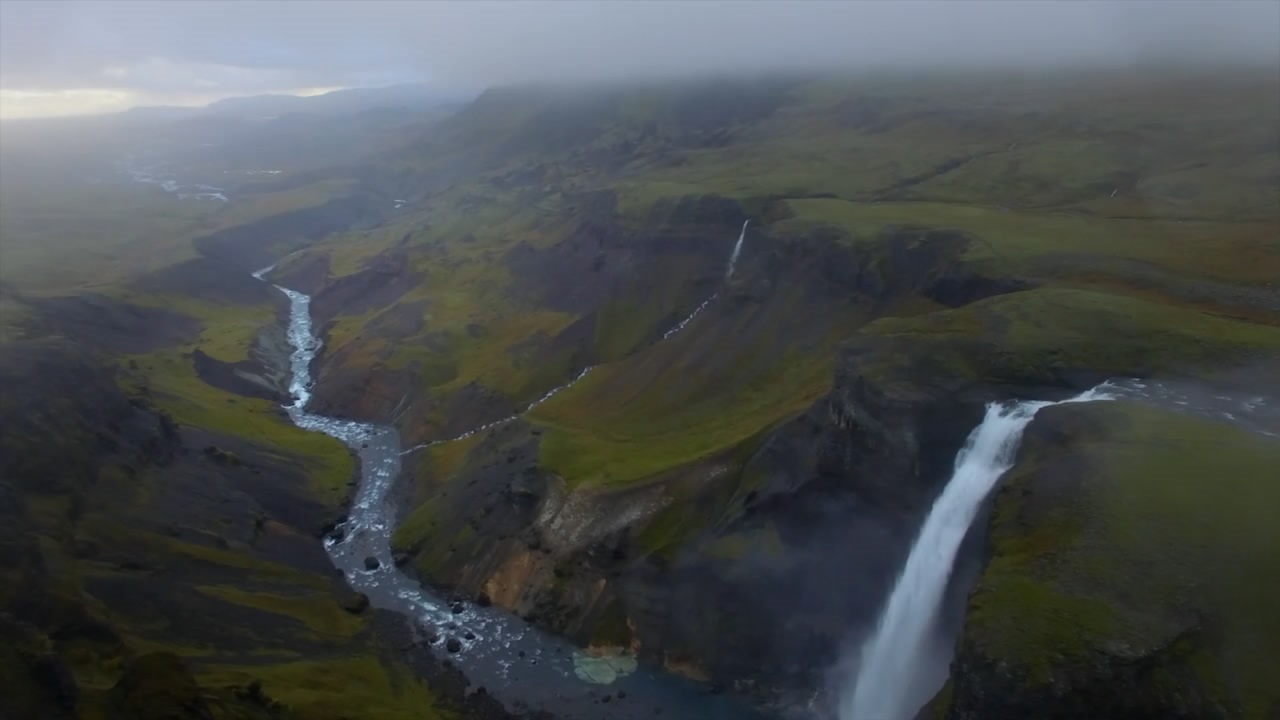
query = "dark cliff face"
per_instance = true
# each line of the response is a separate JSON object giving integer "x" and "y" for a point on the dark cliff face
{"x": 751, "y": 567}
{"x": 257, "y": 244}
{"x": 806, "y": 556}
{"x": 797, "y": 533}
{"x": 761, "y": 598}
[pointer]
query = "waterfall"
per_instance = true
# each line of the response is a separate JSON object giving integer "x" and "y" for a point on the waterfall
{"x": 737, "y": 248}
{"x": 688, "y": 319}
{"x": 897, "y": 671}
{"x": 673, "y": 330}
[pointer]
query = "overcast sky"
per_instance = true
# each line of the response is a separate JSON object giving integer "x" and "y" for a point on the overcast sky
{"x": 101, "y": 55}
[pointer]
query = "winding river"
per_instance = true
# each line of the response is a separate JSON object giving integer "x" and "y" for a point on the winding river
{"x": 520, "y": 665}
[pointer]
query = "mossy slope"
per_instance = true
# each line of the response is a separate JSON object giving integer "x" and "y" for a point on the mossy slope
{"x": 131, "y": 533}
{"x": 1133, "y": 573}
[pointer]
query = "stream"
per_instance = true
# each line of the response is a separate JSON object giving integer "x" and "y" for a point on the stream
{"x": 520, "y": 665}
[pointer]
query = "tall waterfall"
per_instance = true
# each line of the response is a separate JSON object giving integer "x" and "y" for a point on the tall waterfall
{"x": 897, "y": 672}
{"x": 737, "y": 248}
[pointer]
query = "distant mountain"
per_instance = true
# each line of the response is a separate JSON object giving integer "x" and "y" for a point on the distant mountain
{"x": 413, "y": 96}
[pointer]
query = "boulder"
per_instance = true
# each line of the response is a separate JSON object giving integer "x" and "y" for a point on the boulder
{"x": 356, "y": 603}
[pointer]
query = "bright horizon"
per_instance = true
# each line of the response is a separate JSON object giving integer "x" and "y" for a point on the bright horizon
{"x": 80, "y": 102}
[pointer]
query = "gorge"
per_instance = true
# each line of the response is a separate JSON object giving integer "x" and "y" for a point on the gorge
{"x": 525, "y": 668}
{"x": 770, "y": 397}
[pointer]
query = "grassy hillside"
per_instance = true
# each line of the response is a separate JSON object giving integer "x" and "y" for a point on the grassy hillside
{"x": 1128, "y": 565}
{"x": 132, "y": 532}
{"x": 1113, "y": 183}
{"x": 65, "y": 233}
{"x": 75, "y": 218}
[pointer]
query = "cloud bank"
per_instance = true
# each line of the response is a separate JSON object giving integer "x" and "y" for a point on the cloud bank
{"x": 104, "y": 53}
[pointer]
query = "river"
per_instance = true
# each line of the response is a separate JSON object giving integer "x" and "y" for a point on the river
{"x": 517, "y": 663}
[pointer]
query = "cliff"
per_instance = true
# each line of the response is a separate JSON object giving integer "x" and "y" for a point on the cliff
{"x": 1132, "y": 574}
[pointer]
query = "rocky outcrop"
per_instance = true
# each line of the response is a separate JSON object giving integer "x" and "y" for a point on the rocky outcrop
{"x": 381, "y": 282}
{"x": 266, "y": 374}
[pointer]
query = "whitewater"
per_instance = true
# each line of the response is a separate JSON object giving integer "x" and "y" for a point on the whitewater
{"x": 898, "y": 670}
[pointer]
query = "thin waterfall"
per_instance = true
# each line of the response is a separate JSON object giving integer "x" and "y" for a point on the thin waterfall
{"x": 897, "y": 672}
{"x": 737, "y": 248}
{"x": 673, "y": 330}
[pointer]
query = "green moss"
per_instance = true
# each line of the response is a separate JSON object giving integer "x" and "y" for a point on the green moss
{"x": 351, "y": 687}
{"x": 612, "y": 630}
{"x": 756, "y": 543}
{"x": 623, "y": 324}
{"x": 680, "y": 401}
{"x": 1035, "y": 622}
{"x": 1116, "y": 540}
{"x": 228, "y": 331}
{"x": 171, "y": 383}
{"x": 985, "y": 139}
{"x": 72, "y": 235}
{"x": 1017, "y": 242}
{"x": 317, "y": 611}
{"x": 694, "y": 509}
{"x": 157, "y": 686}
{"x": 1037, "y": 336}
{"x": 434, "y": 540}
{"x": 662, "y": 535}
{"x": 941, "y": 703}
{"x": 433, "y": 472}
{"x": 109, "y": 531}
{"x": 443, "y": 460}
{"x": 416, "y": 530}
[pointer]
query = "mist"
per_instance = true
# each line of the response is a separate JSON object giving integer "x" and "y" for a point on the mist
{"x": 70, "y": 57}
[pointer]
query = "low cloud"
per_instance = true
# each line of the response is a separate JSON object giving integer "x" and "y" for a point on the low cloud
{"x": 174, "y": 51}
